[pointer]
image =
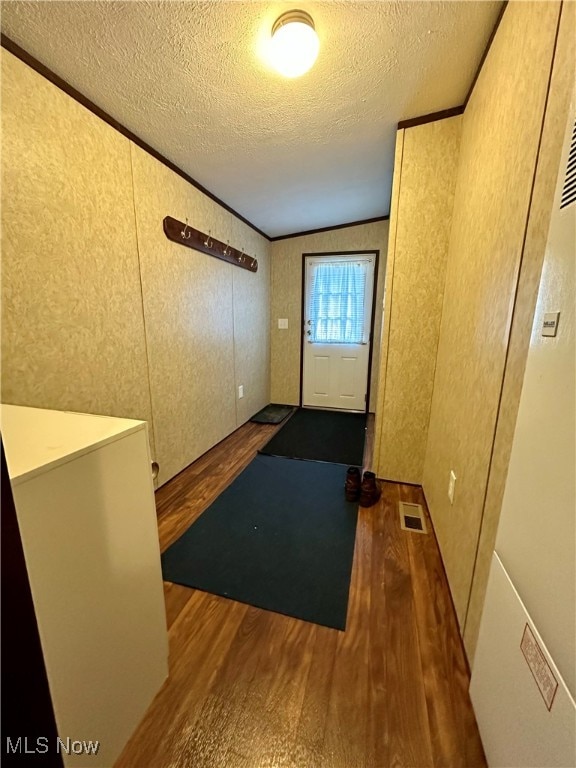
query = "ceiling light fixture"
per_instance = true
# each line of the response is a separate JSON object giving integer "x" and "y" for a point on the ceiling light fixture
{"x": 294, "y": 45}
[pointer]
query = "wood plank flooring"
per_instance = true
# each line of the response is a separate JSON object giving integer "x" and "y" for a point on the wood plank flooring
{"x": 253, "y": 689}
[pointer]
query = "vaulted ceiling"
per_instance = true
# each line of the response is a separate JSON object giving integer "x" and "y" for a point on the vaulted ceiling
{"x": 190, "y": 79}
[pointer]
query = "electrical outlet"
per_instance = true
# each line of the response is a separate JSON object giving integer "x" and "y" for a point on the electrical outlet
{"x": 451, "y": 486}
{"x": 240, "y": 391}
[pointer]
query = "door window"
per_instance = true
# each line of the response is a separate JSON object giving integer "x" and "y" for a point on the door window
{"x": 336, "y": 304}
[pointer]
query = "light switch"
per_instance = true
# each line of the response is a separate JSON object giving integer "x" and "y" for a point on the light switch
{"x": 550, "y": 323}
{"x": 283, "y": 323}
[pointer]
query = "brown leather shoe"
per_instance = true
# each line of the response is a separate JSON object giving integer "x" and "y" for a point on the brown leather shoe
{"x": 352, "y": 486}
{"x": 370, "y": 490}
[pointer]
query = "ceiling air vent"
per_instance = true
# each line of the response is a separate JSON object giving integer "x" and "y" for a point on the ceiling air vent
{"x": 569, "y": 189}
{"x": 412, "y": 517}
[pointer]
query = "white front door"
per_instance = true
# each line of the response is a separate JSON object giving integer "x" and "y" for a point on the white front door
{"x": 336, "y": 340}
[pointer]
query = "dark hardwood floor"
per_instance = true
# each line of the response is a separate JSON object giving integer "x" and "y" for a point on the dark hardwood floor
{"x": 253, "y": 689}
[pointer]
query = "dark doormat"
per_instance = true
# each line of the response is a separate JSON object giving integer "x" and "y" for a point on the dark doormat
{"x": 321, "y": 436}
{"x": 273, "y": 414}
{"x": 281, "y": 537}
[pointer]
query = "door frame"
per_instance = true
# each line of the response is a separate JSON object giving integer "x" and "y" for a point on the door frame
{"x": 372, "y": 252}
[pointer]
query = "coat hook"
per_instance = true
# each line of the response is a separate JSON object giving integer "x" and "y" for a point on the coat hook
{"x": 208, "y": 242}
{"x": 183, "y": 232}
{"x": 241, "y": 256}
{"x": 227, "y": 248}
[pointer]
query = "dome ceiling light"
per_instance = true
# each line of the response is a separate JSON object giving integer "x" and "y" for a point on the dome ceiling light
{"x": 294, "y": 44}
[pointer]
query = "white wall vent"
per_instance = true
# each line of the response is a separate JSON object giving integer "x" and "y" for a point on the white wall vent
{"x": 412, "y": 517}
{"x": 569, "y": 189}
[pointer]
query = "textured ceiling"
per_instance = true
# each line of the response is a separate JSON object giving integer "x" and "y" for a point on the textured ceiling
{"x": 189, "y": 79}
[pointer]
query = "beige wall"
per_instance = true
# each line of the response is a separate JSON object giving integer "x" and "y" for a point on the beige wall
{"x": 421, "y": 214}
{"x": 72, "y": 324}
{"x": 537, "y": 532}
{"x": 286, "y": 300}
{"x": 100, "y": 312}
{"x": 206, "y": 320}
{"x": 500, "y": 136}
{"x": 563, "y": 79}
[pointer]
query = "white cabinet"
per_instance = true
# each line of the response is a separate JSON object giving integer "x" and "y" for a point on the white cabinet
{"x": 85, "y": 504}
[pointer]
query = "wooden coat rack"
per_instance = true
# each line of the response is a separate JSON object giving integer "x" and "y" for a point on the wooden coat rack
{"x": 184, "y": 234}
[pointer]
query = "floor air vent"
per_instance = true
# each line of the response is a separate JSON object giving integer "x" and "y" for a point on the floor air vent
{"x": 412, "y": 517}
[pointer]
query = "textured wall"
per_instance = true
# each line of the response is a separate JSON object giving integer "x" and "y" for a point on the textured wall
{"x": 563, "y": 79}
{"x": 386, "y": 304}
{"x": 427, "y": 165}
{"x": 251, "y": 296}
{"x": 207, "y": 321}
{"x": 286, "y": 300}
{"x": 72, "y": 325}
{"x": 500, "y": 134}
{"x": 539, "y": 550}
{"x": 100, "y": 312}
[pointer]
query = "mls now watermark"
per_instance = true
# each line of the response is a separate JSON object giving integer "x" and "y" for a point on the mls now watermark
{"x": 22, "y": 745}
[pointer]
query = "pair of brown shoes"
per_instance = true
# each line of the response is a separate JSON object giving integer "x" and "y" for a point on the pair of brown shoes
{"x": 366, "y": 490}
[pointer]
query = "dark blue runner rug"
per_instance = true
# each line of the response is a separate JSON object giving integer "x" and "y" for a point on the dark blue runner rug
{"x": 281, "y": 537}
{"x": 317, "y": 435}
